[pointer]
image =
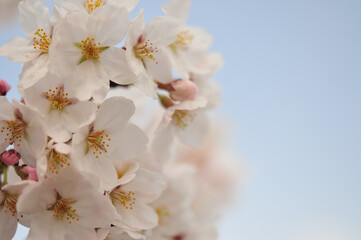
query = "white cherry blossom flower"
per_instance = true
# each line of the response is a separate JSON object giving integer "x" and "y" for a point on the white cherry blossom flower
{"x": 22, "y": 127}
{"x": 83, "y": 51}
{"x": 66, "y": 207}
{"x": 145, "y": 51}
{"x": 131, "y": 200}
{"x": 56, "y": 158}
{"x": 63, "y": 113}
{"x": 34, "y": 48}
{"x": 9, "y": 216}
{"x": 192, "y": 43}
{"x": 110, "y": 138}
{"x": 185, "y": 121}
{"x": 174, "y": 208}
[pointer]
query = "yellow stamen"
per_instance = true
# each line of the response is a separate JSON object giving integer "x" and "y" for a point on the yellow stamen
{"x": 57, "y": 98}
{"x": 145, "y": 50}
{"x": 41, "y": 41}
{"x": 126, "y": 199}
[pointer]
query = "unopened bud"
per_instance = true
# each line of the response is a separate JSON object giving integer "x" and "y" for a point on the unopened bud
{"x": 4, "y": 87}
{"x": 30, "y": 173}
{"x": 10, "y": 157}
{"x": 183, "y": 90}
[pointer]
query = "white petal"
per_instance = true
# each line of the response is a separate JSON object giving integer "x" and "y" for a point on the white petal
{"x": 19, "y": 50}
{"x": 79, "y": 114}
{"x": 33, "y": 71}
{"x": 177, "y": 8}
{"x": 115, "y": 112}
{"x": 102, "y": 168}
{"x": 8, "y": 225}
{"x": 55, "y": 127}
{"x": 127, "y": 142}
{"x": 108, "y": 24}
{"x": 94, "y": 210}
{"x": 146, "y": 84}
{"x": 46, "y": 227}
{"x": 162, "y": 31}
{"x": 90, "y": 80}
{"x": 6, "y": 109}
{"x": 115, "y": 64}
{"x": 160, "y": 68}
{"x": 128, "y": 4}
{"x": 140, "y": 217}
{"x": 37, "y": 197}
{"x": 147, "y": 185}
{"x": 196, "y": 131}
{"x": 34, "y": 15}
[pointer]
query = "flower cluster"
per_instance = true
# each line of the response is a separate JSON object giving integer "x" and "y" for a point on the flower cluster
{"x": 112, "y": 137}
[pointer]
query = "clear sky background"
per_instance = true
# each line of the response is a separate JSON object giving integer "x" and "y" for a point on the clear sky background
{"x": 292, "y": 90}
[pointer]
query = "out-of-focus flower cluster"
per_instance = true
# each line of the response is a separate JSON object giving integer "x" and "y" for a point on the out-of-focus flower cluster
{"x": 112, "y": 138}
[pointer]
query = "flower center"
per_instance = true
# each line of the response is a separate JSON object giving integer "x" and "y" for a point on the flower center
{"x": 63, "y": 209}
{"x": 182, "y": 118}
{"x": 126, "y": 199}
{"x": 163, "y": 215}
{"x": 41, "y": 41}
{"x": 93, "y": 4}
{"x": 98, "y": 142}
{"x": 57, "y": 98}
{"x": 9, "y": 203}
{"x": 13, "y": 130}
{"x": 145, "y": 50}
{"x": 90, "y": 49}
{"x": 184, "y": 39}
{"x": 57, "y": 161}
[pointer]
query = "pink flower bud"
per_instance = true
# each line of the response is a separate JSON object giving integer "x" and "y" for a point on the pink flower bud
{"x": 183, "y": 90}
{"x": 10, "y": 157}
{"x": 4, "y": 87}
{"x": 30, "y": 172}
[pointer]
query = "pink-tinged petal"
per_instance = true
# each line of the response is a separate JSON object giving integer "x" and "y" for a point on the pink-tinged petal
{"x": 140, "y": 217}
{"x": 4, "y": 87}
{"x": 34, "y": 15}
{"x": 55, "y": 127}
{"x": 36, "y": 139}
{"x": 160, "y": 68}
{"x": 127, "y": 142}
{"x": 33, "y": 71}
{"x": 37, "y": 197}
{"x": 177, "y": 8}
{"x": 147, "y": 185}
{"x": 108, "y": 24}
{"x": 19, "y": 50}
{"x": 8, "y": 225}
{"x": 115, "y": 64}
{"x": 114, "y": 113}
{"x": 162, "y": 31}
{"x": 46, "y": 227}
{"x": 77, "y": 115}
{"x": 94, "y": 210}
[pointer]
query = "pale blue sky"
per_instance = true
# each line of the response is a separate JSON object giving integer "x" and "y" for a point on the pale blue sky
{"x": 292, "y": 89}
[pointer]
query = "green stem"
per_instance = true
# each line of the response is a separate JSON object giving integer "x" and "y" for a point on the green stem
{"x": 5, "y": 172}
